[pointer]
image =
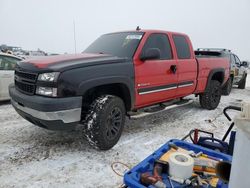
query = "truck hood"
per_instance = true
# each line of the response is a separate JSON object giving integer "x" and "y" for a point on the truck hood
{"x": 68, "y": 61}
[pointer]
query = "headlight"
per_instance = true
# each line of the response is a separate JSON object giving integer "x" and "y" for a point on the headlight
{"x": 48, "y": 77}
{"x": 46, "y": 91}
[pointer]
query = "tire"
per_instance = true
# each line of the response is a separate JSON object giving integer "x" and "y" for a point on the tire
{"x": 210, "y": 99}
{"x": 226, "y": 90}
{"x": 242, "y": 84}
{"x": 105, "y": 121}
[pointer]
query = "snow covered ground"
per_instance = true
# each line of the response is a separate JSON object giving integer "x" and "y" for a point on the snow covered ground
{"x": 35, "y": 157}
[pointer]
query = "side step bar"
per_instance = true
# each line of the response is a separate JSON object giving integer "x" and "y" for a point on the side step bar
{"x": 159, "y": 108}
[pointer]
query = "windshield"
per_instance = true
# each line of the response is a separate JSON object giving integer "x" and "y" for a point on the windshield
{"x": 116, "y": 44}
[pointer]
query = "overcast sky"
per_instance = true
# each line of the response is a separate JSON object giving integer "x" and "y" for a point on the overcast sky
{"x": 48, "y": 24}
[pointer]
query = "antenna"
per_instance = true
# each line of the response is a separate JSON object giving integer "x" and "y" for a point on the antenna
{"x": 74, "y": 35}
{"x": 138, "y": 28}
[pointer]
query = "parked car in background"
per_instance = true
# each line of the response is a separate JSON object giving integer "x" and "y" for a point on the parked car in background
{"x": 238, "y": 69}
{"x": 7, "y": 66}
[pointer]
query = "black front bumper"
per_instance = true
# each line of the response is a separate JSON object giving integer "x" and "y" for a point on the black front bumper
{"x": 46, "y": 112}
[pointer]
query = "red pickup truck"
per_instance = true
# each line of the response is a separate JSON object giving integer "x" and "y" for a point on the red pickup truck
{"x": 118, "y": 74}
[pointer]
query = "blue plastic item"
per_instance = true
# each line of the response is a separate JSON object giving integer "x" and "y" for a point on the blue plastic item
{"x": 132, "y": 177}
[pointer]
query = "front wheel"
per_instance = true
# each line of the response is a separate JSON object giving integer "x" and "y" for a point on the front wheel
{"x": 242, "y": 83}
{"x": 210, "y": 99}
{"x": 105, "y": 121}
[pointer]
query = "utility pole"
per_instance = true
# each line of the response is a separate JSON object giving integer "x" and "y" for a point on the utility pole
{"x": 74, "y": 35}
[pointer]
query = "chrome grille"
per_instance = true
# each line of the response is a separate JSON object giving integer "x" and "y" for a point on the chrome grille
{"x": 25, "y": 82}
{"x": 28, "y": 76}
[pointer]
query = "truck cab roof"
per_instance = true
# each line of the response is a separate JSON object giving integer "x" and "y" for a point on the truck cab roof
{"x": 151, "y": 31}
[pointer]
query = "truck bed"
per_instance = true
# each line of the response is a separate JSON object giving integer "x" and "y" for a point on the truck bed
{"x": 206, "y": 63}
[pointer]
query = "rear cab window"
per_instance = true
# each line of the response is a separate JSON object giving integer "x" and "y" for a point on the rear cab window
{"x": 182, "y": 47}
{"x": 232, "y": 61}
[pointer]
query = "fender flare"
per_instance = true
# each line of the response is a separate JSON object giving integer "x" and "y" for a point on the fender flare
{"x": 85, "y": 85}
{"x": 213, "y": 72}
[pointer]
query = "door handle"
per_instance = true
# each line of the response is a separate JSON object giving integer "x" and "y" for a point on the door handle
{"x": 173, "y": 68}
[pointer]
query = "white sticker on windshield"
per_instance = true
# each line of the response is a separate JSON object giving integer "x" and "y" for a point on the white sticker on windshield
{"x": 131, "y": 37}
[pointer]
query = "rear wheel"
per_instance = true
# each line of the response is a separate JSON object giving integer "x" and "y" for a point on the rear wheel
{"x": 210, "y": 99}
{"x": 226, "y": 90}
{"x": 105, "y": 121}
{"x": 242, "y": 84}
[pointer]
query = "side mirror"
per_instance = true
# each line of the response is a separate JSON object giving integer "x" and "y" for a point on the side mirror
{"x": 244, "y": 64}
{"x": 151, "y": 53}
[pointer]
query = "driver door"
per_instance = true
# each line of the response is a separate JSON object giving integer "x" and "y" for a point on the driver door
{"x": 155, "y": 82}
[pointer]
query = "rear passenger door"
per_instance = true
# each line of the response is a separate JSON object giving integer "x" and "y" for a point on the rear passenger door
{"x": 186, "y": 65}
{"x": 155, "y": 82}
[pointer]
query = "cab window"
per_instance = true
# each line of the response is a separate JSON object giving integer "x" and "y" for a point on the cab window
{"x": 237, "y": 61}
{"x": 182, "y": 47}
{"x": 161, "y": 42}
